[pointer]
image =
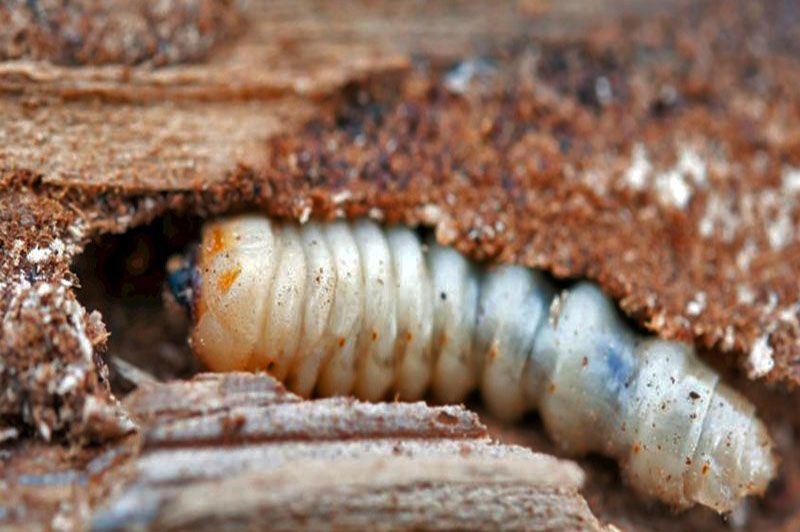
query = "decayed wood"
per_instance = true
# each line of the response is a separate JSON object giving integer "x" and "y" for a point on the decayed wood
{"x": 237, "y": 450}
{"x": 204, "y": 394}
{"x": 321, "y": 420}
{"x": 536, "y": 493}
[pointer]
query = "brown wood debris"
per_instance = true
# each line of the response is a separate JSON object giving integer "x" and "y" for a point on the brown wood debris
{"x": 115, "y": 31}
{"x": 238, "y": 450}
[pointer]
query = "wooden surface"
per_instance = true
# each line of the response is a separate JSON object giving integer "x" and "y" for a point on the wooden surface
{"x": 238, "y": 450}
{"x": 309, "y": 110}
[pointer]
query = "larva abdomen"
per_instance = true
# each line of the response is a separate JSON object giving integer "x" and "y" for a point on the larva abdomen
{"x": 345, "y": 308}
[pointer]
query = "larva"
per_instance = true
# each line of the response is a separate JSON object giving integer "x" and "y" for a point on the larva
{"x": 354, "y": 308}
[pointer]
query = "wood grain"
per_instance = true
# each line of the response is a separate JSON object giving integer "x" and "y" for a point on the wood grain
{"x": 238, "y": 451}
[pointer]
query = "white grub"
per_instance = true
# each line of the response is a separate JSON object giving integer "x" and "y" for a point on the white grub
{"x": 638, "y": 172}
{"x": 760, "y": 361}
{"x": 353, "y": 308}
{"x": 696, "y": 306}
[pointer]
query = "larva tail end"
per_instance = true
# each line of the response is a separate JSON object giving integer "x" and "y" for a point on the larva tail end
{"x": 182, "y": 283}
{"x": 760, "y": 454}
{"x": 735, "y": 457}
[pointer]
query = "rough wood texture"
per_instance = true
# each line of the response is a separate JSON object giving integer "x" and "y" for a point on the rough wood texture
{"x": 239, "y": 451}
{"x": 381, "y": 494}
{"x": 89, "y": 32}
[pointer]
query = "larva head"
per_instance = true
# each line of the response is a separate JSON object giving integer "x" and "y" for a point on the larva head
{"x": 182, "y": 282}
{"x": 234, "y": 264}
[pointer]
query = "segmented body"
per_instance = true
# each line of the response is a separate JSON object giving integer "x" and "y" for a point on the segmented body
{"x": 354, "y": 308}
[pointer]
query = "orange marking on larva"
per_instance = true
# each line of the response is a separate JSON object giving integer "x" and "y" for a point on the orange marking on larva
{"x": 217, "y": 243}
{"x": 442, "y": 340}
{"x": 341, "y": 341}
{"x": 492, "y": 354}
{"x": 551, "y": 388}
{"x": 706, "y": 468}
{"x": 409, "y": 336}
{"x": 374, "y": 335}
{"x": 637, "y": 448}
{"x": 228, "y": 278}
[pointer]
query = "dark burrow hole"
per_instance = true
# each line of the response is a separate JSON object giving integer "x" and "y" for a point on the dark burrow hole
{"x": 123, "y": 277}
